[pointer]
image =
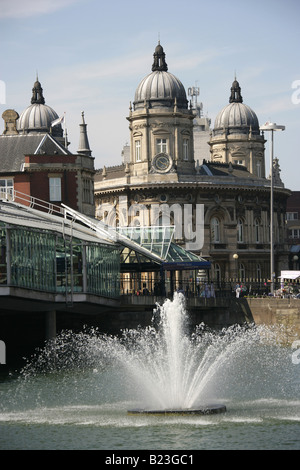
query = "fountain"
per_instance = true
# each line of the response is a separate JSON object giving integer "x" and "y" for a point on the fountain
{"x": 167, "y": 361}
{"x": 166, "y": 369}
{"x": 152, "y": 388}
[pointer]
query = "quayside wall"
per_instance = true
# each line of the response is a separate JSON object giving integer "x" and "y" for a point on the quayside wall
{"x": 276, "y": 311}
{"x": 215, "y": 313}
{"x": 221, "y": 313}
{"x": 24, "y": 331}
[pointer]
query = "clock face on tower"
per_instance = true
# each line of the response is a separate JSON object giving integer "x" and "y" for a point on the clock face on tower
{"x": 162, "y": 163}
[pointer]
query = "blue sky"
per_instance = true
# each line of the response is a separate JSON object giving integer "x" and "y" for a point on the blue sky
{"x": 90, "y": 56}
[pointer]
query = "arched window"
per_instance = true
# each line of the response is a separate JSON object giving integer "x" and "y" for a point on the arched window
{"x": 215, "y": 229}
{"x": 240, "y": 230}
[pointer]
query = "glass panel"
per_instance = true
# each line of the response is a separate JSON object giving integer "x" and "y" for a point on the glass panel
{"x": 103, "y": 270}
{"x": 137, "y": 150}
{"x": 6, "y": 188}
{"x": 32, "y": 259}
{"x": 3, "y": 264}
{"x": 161, "y": 146}
{"x": 156, "y": 239}
{"x": 69, "y": 276}
{"x": 55, "y": 189}
{"x": 52, "y": 263}
{"x": 215, "y": 230}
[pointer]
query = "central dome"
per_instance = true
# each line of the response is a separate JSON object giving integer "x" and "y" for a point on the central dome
{"x": 160, "y": 88}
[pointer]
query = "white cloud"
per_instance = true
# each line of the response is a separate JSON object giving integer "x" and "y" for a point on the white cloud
{"x": 21, "y": 8}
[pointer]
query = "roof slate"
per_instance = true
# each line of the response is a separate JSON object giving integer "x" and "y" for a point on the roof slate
{"x": 13, "y": 148}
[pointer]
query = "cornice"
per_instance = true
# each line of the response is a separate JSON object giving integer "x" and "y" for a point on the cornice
{"x": 207, "y": 186}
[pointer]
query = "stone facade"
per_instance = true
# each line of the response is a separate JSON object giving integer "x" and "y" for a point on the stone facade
{"x": 231, "y": 186}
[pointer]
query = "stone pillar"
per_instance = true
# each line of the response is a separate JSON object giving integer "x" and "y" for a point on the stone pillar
{"x": 50, "y": 324}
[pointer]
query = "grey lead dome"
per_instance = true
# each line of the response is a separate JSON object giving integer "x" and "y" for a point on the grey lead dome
{"x": 160, "y": 88}
{"x": 38, "y": 116}
{"x": 236, "y": 117}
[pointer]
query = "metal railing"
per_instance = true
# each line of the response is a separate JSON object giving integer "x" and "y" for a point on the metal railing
{"x": 11, "y": 195}
{"x": 134, "y": 286}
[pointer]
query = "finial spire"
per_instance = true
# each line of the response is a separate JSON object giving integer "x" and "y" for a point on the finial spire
{"x": 159, "y": 62}
{"x": 235, "y": 96}
{"x": 84, "y": 146}
{"x": 37, "y": 93}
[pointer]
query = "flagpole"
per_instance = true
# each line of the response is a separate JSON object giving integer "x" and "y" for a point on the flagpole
{"x": 66, "y": 137}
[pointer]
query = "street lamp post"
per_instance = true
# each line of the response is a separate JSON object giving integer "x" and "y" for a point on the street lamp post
{"x": 271, "y": 126}
{"x": 236, "y": 257}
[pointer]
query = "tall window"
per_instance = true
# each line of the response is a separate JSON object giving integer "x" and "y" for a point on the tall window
{"x": 257, "y": 231}
{"x": 137, "y": 150}
{"x": 240, "y": 231}
{"x": 161, "y": 146}
{"x": 215, "y": 230}
{"x": 258, "y": 168}
{"x": 185, "y": 149}
{"x": 6, "y": 188}
{"x": 258, "y": 271}
{"x": 55, "y": 189}
{"x": 88, "y": 196}
{"x": 217, "y": 273}
{"x": 242, "y": 272}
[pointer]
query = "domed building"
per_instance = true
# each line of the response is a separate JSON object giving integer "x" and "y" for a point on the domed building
{"x": 236, "y": 136}
{"x": 38, "y": 117}
{"x": 161, "y": 126}
{"x": 221, "y": 208}
{"x": 35, "y": 162}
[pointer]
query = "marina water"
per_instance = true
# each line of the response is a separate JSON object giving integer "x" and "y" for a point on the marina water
{"x": 75, "y": 393}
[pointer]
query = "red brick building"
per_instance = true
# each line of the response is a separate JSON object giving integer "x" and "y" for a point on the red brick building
{"x": 35, "y": 161}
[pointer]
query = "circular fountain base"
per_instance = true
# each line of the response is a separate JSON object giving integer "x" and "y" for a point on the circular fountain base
{"x": 200, "y": 410}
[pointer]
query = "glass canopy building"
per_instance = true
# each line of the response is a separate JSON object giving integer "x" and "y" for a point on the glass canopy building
{"x": 67, "y": 255}
{"x": 48, "y": 253}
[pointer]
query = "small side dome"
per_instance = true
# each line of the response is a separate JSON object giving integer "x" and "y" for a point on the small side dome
{"x": 38, "y": 116}
{"x": 160, "y": 88}
{"x": 236, "y": 117}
